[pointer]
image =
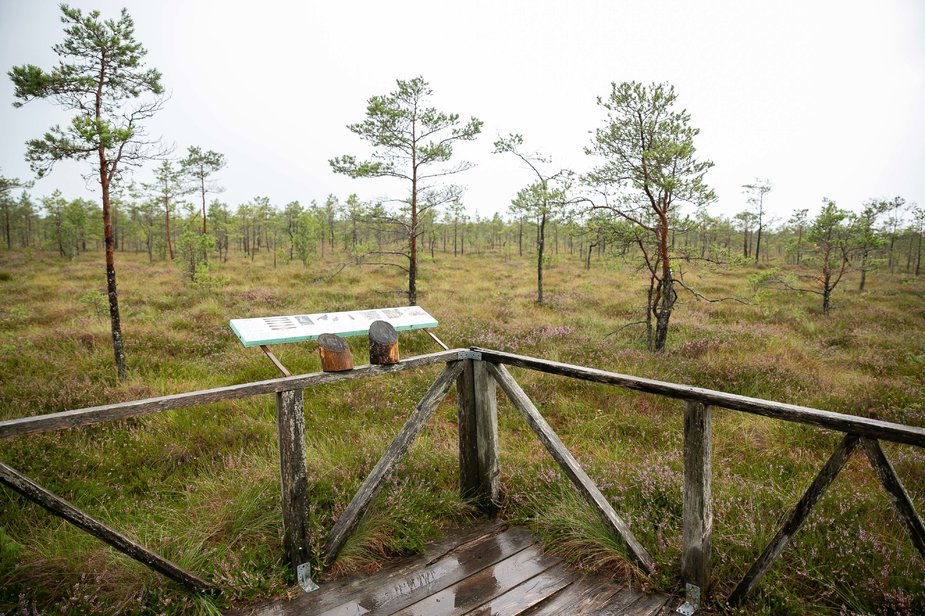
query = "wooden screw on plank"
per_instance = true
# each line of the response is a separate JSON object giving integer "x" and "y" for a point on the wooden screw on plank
{"x": 383, "y": 344}
{"x": 335, "y": 353}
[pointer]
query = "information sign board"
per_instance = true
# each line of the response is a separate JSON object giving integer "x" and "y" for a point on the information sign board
{"x": 299, "y": 327}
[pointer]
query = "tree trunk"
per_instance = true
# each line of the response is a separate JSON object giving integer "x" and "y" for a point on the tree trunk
{"x": 540, "y": 244}
{"x": 115, "y": 321}
{"x": 202, "y": 186}
{"x": 664, "y": 312}
{"x": 520, "y": 238}
{"x": 667, "y": 298}
{"x": 863, "y": 271}
{"x": 826, "y": 293}
{"x": 413, "y": 244}
{"x": 167, "y": 226}
{"x": 918, "y": 258}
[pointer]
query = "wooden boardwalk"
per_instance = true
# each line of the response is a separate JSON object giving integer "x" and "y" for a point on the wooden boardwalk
{"x": 489, "y": 569}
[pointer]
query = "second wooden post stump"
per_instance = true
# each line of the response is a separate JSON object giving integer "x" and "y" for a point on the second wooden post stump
{"x": 383, "y": 344}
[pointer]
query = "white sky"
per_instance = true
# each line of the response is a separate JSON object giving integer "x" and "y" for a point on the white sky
{"x": 823, "y": 98}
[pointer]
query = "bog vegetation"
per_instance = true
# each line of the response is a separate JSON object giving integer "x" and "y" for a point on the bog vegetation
{"x": 624, "y": 268}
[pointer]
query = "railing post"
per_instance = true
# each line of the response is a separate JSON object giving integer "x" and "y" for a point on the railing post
{"x": 294, "y": 484}
{"x": 478, "y": 436}
{"x": 698, "y": 505}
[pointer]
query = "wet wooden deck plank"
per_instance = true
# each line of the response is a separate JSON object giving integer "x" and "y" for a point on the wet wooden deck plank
{"x": 457, "y": 565}
{"x": 332, "y": 592}
{"x": 490, "y": 582}
{"x": 584, "y": 596}
{"x": 484, "y": 570}
{"x": 526, "y": 595}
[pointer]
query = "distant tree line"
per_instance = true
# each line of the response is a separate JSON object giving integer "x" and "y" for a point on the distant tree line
{"x": 885, "y": 236}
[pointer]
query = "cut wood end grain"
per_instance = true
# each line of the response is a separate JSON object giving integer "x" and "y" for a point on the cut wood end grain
{"x": 335, "y": 353}
{"x": 383, "y": 344}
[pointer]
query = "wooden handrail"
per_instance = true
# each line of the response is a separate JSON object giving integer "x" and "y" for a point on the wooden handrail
{"x": 851, "y": 424}
{"x": 123, "y": 410}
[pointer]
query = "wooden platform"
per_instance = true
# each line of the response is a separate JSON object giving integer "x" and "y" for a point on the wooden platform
{"x": 489, "y": 569}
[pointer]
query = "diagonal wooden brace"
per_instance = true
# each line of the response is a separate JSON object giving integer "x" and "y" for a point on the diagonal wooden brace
{"x": 569, "y": 465}
{"x": 60, "y": 507}
{"x": 815, "y": 491}
{"x": 364, "y": 497}
{"x": 898, "y": 495}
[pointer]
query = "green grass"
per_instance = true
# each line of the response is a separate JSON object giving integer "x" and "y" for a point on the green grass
{"x": 200, "y": 486}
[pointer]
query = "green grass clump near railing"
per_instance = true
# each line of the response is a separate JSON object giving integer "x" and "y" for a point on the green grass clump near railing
{"x": 200, "y": 486}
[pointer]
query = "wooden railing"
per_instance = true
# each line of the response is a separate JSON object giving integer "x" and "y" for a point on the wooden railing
{"x": 477, "y": 374}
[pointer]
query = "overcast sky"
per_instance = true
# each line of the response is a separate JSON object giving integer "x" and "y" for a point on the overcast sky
{"x": 822, "y": 98}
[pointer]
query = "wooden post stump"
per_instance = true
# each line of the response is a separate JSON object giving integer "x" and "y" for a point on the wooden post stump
{"x": 383, "y": 344}
{"x": 335, "y": 353}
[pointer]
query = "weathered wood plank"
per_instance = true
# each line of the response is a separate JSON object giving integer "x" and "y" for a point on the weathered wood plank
{"x": 528, "y": 594}
{"x": 469, "y": 485}
{"x": 698, "y": 496}
{"x": 588, "y": 490}
{"x": 293, "y": 479}
{"x": 647, "y": 606}
{"x": 483, "y": 585}
{"x": 584, "y": 596}
{"x": 279, "y": 365}
{"x": 479, "y": 475}
{"x": 383, "y": 469}
{"x": 60, "y": 507}
{"x": 341, "y": 590}
{"x": 797, "y": 515}
{"x": 398, "y": 593}
{"x": 898, "y": 495}
{"x": 622, "y": 601}
{"x": 123, "y": 410}
{"x": 862, "y": 426}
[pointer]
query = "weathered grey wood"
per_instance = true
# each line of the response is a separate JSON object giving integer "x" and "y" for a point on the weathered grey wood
{"x": 587, "y": 595}
{"x": 388, "y": 579}
{"x": 124, "y": 410}
{"x": 479, "y": 475}
{"x": 622, "y": 602}
{"x": 862, "y": 426}
{"x": 388, "y": 597}
{"x": 475, "y": 568}
{"x": 898, "y": 495}
{"x": 383, "y": 469}
{"x": 797, "y": 515}
{"x": 588, "y": 490}
{"x": 293, "y": 480}
{"x": 383, "y": 344}
{"x": 483, "y": 584}
{"x": 335, "y": 353}
{"x": 468, "y": 433}
{"x": 698, "y": 496}
{"x": 60, "y": 507}
{"x": 530, "y": 593}
{"x": 279, "y": 365}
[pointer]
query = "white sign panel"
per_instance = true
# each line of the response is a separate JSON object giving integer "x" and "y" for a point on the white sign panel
{"x": 299, "y": 327}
